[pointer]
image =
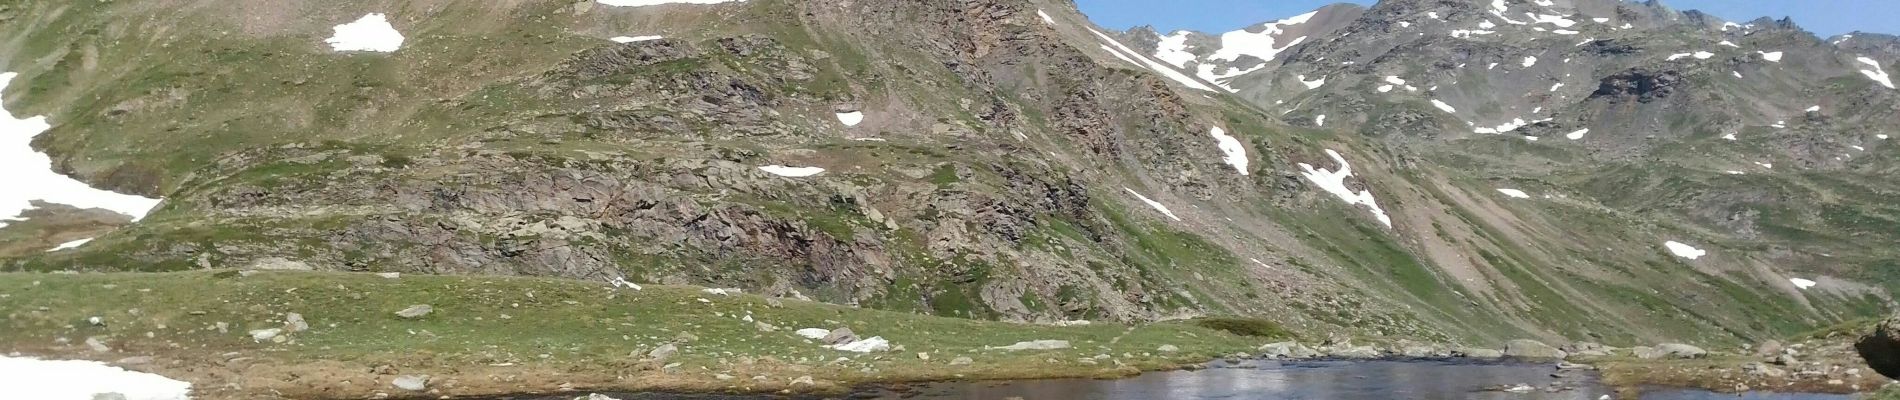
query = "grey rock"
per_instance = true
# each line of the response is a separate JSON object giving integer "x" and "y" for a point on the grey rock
{"x": 1420, "y": 352}
{"x": 280, "y": 264}
{"x": 1678, "y": 350}
{"x": 413, "y": 383}
{"x": 840, "y": 336}
{"x": 663, "y": 352}
{"x": 97, "y": 345}
{"x": 1168, "y": 348}
{"x": 1479, "y": 353}
{"x": 415, "y": 311}
{"x": 294, "y": 322}
{"x": 134, "y": 360}
{"x": 1531, "y": 349}
{"x": 961, "y": 361}
{"x": 1881, "y": 348}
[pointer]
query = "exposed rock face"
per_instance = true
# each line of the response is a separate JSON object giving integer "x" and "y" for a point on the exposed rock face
{"x": 1881, "y": 348}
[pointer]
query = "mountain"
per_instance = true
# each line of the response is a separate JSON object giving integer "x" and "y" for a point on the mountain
{"x": 1442, "y": 170}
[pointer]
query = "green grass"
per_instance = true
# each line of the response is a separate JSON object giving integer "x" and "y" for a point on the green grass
{"x": 580, "y": 327}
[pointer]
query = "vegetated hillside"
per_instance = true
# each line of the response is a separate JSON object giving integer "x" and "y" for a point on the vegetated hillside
{"x": 994, "y": 159}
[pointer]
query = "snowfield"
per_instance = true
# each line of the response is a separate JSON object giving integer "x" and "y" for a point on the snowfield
{"x": 1234, "y": 152}
{"x": 631, "y": 39}
{"x": 1151, "y": 203}
{"x": 851, "y": 118}
{"x": 1442, "y": 106}
{"x": 794, "y": 172}
{"x": 370, "y": 33}
{"x": 1515, "y": 193}
{"x": 1131, "y": 55}
{"x": 29, "y": 378}
{"x": 1577, "y": 134}
{"x": 1877, "y": 74}
{"x": 1684, "y": 251}
{"x": 1335, "y": 182}
{"x": 29, "y": 175}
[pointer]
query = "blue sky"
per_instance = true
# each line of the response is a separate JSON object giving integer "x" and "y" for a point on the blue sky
{"x": 1823, "y": 17}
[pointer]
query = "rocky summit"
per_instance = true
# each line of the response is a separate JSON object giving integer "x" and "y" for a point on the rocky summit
{"x": 1458, "y": 172}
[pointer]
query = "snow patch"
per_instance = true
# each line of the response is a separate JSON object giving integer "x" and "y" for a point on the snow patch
{"x": 1578, "y": 134}
{"x": 1600, "y": 20}
{"x": 370, "y": 33}
{"x": 71, "y": 245}
{"x": 1433, "y": 15}
{"x": 1557, "y": 20}
{"x": 1738, "y": 74}
{"x": 1555, "y": 86}
{"x": 1802, "y": 284}
{"x": 1319, "y": 120}
{"x": 1728, "y": 43}
{"x": 1700, "y": 55}
{"x": 29, "y": 378}
{"x": 1163, "y": 69}
{"x": 29, "y": 174}
{"x": 1684, "y": 251}
{"x": 631, "y": 39}
{"x": 1515, "y": 193}
{"x": 1771, "y": 56}
{"x": 1877, "y": 74}
{"x": 1045, "y": 17}
{"x": 1335, "y": 182}
{"x": 1235, "y": 153}
{"x": 1881, "y": 136}
{"x": 872, "y": 345}
{"x": 1814, "y": 109}
{"x": 1529, "y": 61}
{"x": 1313, "y": 84}
{"x": 851, "y": 118}
{"x": 1442, "y": 106}
{"x": 794, "y": 172}
{"x": 1465, "y": 33}
{"x": 1385, "y": 88}
{"x": 1156, "y": 204}
{"x": 1565, "y": 32}
{"x": 1730, "y": 136}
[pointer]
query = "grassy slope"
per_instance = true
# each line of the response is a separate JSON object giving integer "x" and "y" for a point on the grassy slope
{"x": 562, "y": 331}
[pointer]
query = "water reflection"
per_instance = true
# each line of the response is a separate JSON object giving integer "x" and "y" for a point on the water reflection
{"x": 1424, "y": 380}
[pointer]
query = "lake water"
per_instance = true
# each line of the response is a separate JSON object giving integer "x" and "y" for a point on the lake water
{"x": 1273, "y": 380}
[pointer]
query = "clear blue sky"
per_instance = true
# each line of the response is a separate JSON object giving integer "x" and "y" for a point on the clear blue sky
{"x": 1823, "y": 17}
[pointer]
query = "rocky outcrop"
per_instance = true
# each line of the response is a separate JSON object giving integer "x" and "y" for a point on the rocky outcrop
{"x": 1881, "y": 348}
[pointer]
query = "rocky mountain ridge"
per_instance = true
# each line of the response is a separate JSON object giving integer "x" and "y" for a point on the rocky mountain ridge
{"x": 999, "y": 159}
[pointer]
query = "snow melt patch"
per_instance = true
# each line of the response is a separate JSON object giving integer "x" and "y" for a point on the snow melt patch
{"x": 631, "y": 39}
{"x": 1700, "y": 55}
{"x": 1156, "y": 204}
{"x": 1157, "y": 67}
{"x": 851, "y": 118}
{"x": 1045, "y": 17}
{"x": 1802, "y": 284}
{"x": 1684, "y": 251}
{"x": 1529, "y": 61}
{"x": 1261, "y": 44}
{"x": 71, "y": 245}
{"x": 1235, "y": 154}
{"x": 1515, "y": 193}
{"x": 30, "y": 378}
{"x": 643, "y": 3}
{"x": 1578, "y": 134}
{"x": 1877, "y": 74}
{"x": 1313, "y": 84}
{"x": 1771, "y": 56}
{"x": 1727, "y": 43}
{"x": 1442, "y": 106}
{"x": 29, "y": 174}
{"x": 370, "y": 33}
{"x": 1557, "y": 20}
{"x": 794, "y": 172}
{"x": 1335, "y": 182}
{"x": 1814, "y": 109}
{"x": 1319, "y": 120}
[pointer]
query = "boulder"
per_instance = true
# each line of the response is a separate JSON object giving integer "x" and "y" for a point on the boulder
{"x": 1477, "y": 353}
{"x": 1292, "y": 350}
{"x": 1645, "y": 352}
{"x": 413, "y": 383}
{"x": 663, "y": 352}
{"x": 1679, "y": 350}
{"x": 840, "y": 336}
{"x": 1420, "y": 352}
{"x": 1881, "y": 348}
{"x": 1531, "y": 349}
{"x": 1168, "y": 348}
{"x": 1356, "y": 352}
{"x": 961, "y": 361}
{"x": 1769, "y": 349}
{"x": 415, "y": 311}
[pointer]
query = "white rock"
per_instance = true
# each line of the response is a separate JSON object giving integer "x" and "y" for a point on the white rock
{"x": 413, "y": 383}
{"x": 1036, "y": 345}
